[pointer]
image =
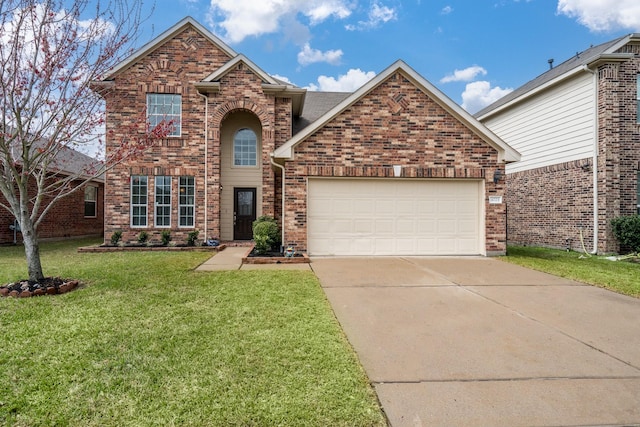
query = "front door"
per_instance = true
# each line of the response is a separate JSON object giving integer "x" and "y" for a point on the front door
{"x": 244, "y": 213}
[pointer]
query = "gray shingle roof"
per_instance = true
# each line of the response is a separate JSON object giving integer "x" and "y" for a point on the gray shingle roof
{"x": 316, "y": 104}
{"x": 578, "y": 60}
{"x": 66, "y": 160}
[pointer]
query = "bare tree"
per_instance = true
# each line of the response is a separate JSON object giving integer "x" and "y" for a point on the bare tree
{"x": 50, "y": 52}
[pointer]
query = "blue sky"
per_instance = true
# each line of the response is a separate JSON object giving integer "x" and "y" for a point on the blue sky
{"x": 474, "y": 51}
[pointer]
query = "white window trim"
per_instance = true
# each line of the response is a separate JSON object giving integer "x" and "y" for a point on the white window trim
{"x": 233, "y": 158}
{"x": 156, "y": 205}
{"x": 179, "y": 125}
{"x": 95, "y": 202}
{"x": 193, "y": 205}
{"x": 132, "y": 205}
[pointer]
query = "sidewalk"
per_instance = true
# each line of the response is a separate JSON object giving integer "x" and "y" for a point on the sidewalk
{"x": 231, "y": 259}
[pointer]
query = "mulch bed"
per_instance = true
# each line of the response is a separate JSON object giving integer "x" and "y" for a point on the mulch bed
{"x": 273, "y": 257}
{"x": 46, "y": 286}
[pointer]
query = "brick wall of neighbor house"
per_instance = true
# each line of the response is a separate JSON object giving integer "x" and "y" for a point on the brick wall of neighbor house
{"x": 550, "y": 206}
{"x": 394, "y": 124}
{"x": 619, "y": 144}
{"x": 174, "y": 67}
{"x": 538, "y": 216}
{"x": 65, "y": 219}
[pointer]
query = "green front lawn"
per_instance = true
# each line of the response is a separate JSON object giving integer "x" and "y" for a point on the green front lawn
{"x": 148, "y": 341}
{"x": 619, "y": 276}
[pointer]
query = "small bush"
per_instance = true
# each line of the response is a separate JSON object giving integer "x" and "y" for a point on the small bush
{"x": 266, "y": 234}
{"x": 166, "y": 237}
{"x": 115, "y": 237}
{"x": 627, "y": 231}
{"x": 192, "y": 237}
{"x": 143, "y": 237}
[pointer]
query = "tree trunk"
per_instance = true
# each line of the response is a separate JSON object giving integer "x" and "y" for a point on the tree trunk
{"x": 32, "y": 251}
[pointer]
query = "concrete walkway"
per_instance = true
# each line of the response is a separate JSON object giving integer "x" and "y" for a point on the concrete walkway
{"x": 231, "y": 259}
{"x": 479, "y": 342}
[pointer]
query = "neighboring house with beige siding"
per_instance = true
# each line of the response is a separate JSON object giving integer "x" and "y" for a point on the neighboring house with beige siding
{"x": 577, "y": 127}
{"x": 394, "y": 168}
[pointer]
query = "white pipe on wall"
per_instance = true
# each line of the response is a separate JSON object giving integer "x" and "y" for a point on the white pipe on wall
{"x": 283, "y": 199}
{"x": 206, "y": 163}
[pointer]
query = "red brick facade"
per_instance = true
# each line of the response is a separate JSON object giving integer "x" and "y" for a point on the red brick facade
{"x": 538, "y": 216}
{"x": 65, "y": 219}
{"x": 174, "y": 67}
{"x": 397, "y": 123}
{"x": 378, "y": 132}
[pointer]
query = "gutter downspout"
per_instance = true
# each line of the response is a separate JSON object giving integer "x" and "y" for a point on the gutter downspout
{"x": 283, "y": 199}
{"x": 596, "y": 129}
{"x": 206, "y": 163}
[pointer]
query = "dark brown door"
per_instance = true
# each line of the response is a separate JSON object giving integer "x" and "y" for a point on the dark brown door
{"x": 244, "y": 213}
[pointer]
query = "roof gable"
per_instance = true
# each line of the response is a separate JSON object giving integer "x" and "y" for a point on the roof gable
{"x": 164, "y": 37}
{"x": 506, "y": 153}
{"x": 240, "y": 59}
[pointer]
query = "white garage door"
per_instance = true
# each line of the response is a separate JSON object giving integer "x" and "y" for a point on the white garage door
{"x": 394, "y": 217}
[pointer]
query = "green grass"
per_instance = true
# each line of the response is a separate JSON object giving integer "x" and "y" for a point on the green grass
{"x": 149, "y": 342}
{"x": 618, "y": 276}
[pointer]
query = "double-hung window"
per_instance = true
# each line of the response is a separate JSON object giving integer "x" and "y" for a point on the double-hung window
{"x": 187, "y": 202}
{"x": 90, "y": 201}
{"x": 165, "y": 107}
{"x": 139, "y": 200}
{"x": 245, "y": 148}
{"x": 163, "y": 201}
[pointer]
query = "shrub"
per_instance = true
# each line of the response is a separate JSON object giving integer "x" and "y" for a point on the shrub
{"x": 266, "y": 234}
{"x": 166, "y": 237}
{"x": 192, "y": 237}
{"x": 143, "y": 237}
{"x": 627, "y": 231}
{"x": 115, "y": 237}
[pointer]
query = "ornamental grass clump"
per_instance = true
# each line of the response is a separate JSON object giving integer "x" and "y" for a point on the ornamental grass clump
{"x": 115, "y": 238}
{"x": 192, "y": 237}
{"x": 165, "y": 237}
{"x": 266, "y": 235}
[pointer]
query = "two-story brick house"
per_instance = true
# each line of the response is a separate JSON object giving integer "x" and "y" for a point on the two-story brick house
{"x": 393, "y": 168}
{"x": 577, "y": 127}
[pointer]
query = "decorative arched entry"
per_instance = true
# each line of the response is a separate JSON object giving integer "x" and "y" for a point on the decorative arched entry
{"x": 240, "y": 174}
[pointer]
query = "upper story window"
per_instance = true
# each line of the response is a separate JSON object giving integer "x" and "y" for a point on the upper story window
{"x": 167, "y": 107}
{"x": 245, "y": 148}
{"x": 90, "y": 201}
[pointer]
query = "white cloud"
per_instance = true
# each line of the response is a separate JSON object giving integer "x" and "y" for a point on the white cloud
{"x": 282, "y": 78}
{"x": 378, "y": 14}
{"x": 466, "y": 75}
{"x": 309, "y": 56}
{"x": 349, "y": 82}
{"x": 478, "y": 95}
{"x": 603, "y": 15}
{"x": 235, "y": 20}
{"x": 446, "y": 10}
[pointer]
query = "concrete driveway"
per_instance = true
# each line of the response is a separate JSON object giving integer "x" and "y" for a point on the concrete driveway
{"x": 477, "y": 341}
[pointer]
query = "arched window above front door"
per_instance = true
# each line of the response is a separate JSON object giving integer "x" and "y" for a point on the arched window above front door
{"x": 245, "y": 148}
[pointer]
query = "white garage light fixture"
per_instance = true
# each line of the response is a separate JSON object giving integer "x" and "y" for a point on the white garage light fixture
{"x": 397, "y": 170}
